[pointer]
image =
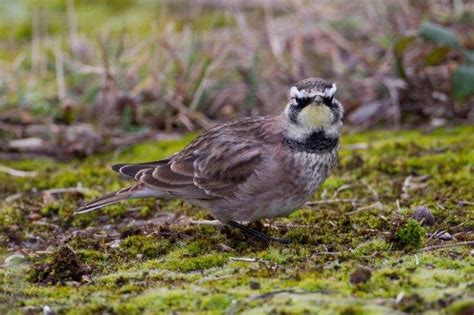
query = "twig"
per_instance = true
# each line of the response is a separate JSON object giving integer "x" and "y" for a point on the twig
{"x": 288, "y": 226}
{"x": 341, "y": 188}
{"x": 433, "y": 235}
{"x": 372, "y": 206}
{"x": 412, "y": 183}
{"x": 13, "y": 197}
{"x": 202, "y": 84}
{"x": 397, "y": 203}
{"x": 405, "y": 186}
{"x": 356, "y": 146}
{"x": 467, "y": 243}
{"x": 276, "y": 44}
{"x": 215, "y": 278}
{"x": 247, "y": 259}
{"x": 327, "y": 253}
{"x": 330, "y": 201}
{"x": 86, "y": 69}
{"x": 393, "y": 85}
{"x": 59, "y": 65}
{"x": 35, "y": 43}
{"x": 198, "y": 117}
{"x": 206, "y": 222}
{"x": 345, "y": 44}
{"x": 399, "y": 297}
{"x": 27, "y": 144}
{"x": 17, "y": 173}
{"x": 72, "y": 21}
{"x": 374, "y": 192}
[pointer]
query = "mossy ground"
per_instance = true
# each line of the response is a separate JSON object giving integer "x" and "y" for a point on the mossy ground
{"x": 346, "y": 257}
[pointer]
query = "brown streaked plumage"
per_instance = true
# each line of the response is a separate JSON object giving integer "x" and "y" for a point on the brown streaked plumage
{"x": 250, "y": 168}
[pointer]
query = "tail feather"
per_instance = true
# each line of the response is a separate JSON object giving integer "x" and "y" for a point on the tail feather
{"x": 107, "y": 200}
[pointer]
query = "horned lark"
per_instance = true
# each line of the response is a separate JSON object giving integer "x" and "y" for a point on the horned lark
{"x": 250, "y": 168}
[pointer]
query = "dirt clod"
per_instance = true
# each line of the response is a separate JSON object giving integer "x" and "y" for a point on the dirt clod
{"x": 254, "y": 285}
{"x": 424, "y": 216}
{"x": 361, "y": 275}
{"x": 63, "y": 265}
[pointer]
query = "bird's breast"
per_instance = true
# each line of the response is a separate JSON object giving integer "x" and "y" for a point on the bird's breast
{"x": 314, "y": 169}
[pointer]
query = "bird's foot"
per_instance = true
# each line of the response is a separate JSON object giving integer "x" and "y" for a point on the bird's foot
{"x": 257, "y": 234}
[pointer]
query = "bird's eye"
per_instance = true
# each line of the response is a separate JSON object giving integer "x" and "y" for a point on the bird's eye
{"x": 304, "y": 101}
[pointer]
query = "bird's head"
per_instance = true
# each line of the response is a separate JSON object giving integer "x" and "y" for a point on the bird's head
{"x": 313, "y": 108}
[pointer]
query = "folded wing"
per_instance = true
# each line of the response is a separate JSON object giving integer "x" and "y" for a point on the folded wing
{"x": 212, "y": 166}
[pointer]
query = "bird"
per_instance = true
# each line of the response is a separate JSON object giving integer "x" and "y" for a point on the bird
{"x": 249, "y": 168}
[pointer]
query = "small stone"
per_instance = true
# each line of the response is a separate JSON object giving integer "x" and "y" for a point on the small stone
{"x": 47, "y": 310}
{"x": 139, "y": 256}
{"x": 430, "y": 266}
{"x": 226, "y": 248}
{"x": 361, "y": 275}
{"x": 254, "y": 285}
{"x": 115, "y": 243}
{"x": 14, "y": 260}
{"x": 424, "y": 216}
{"x": 411, "y": 303}
{"x": 86, "y": 279}
{"x": 445, "y": 236}
{"x": 33, "y": 216}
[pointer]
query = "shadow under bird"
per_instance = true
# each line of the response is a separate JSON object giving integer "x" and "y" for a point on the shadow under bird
{"x": 250, "y": 168}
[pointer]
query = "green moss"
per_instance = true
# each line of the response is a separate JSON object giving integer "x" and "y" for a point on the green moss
{"x": 216, "y": 302}
{"x": 352, "y": 310}
{"x": 97, "y": 261}
{"x": 147, "y": 247}
{"x": 278, "y": 255}
{"x": 371, "y": 247}
{"x": 197, "y": 263}
{"x": 139, "y": 257}
{"x": 197, "y": 248}
{"x": 300, "y": 236}
{"x": 462, "y": 307}
{"x": 410, "y": 235}
{"x": 10, "y": 216}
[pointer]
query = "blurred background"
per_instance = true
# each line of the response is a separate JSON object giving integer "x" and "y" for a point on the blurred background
{"x": 78, "y": 77}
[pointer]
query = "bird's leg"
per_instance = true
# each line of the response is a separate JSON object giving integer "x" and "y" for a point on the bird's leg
{"x": 257, "y": 234}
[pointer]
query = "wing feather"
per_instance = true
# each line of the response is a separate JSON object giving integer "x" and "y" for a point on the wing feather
{"x": 131, "y": 170}
{"x": 214, "y": 165}
{"x": 179, "y": 190}
{"x": 183, "y": 167}
{"x": 165, "y": 174}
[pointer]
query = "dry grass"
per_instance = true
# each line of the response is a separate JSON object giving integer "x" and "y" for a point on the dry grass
{"x": 186, "y": 65}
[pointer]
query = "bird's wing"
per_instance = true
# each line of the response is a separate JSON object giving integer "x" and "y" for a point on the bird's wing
{"x": 131, "y": 170}
{"x": 212, "y": 166}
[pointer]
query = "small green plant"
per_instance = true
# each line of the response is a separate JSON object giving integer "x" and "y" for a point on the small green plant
{"x": 410, "y": 235}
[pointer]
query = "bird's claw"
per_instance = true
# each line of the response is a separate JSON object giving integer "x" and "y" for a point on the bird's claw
{"x": 257, "y": 234}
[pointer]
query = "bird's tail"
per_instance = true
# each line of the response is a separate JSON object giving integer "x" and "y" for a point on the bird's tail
{"x": 109, "y": 199}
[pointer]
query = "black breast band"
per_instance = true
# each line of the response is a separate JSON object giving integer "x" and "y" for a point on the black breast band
{"x": 317, "y": 142}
